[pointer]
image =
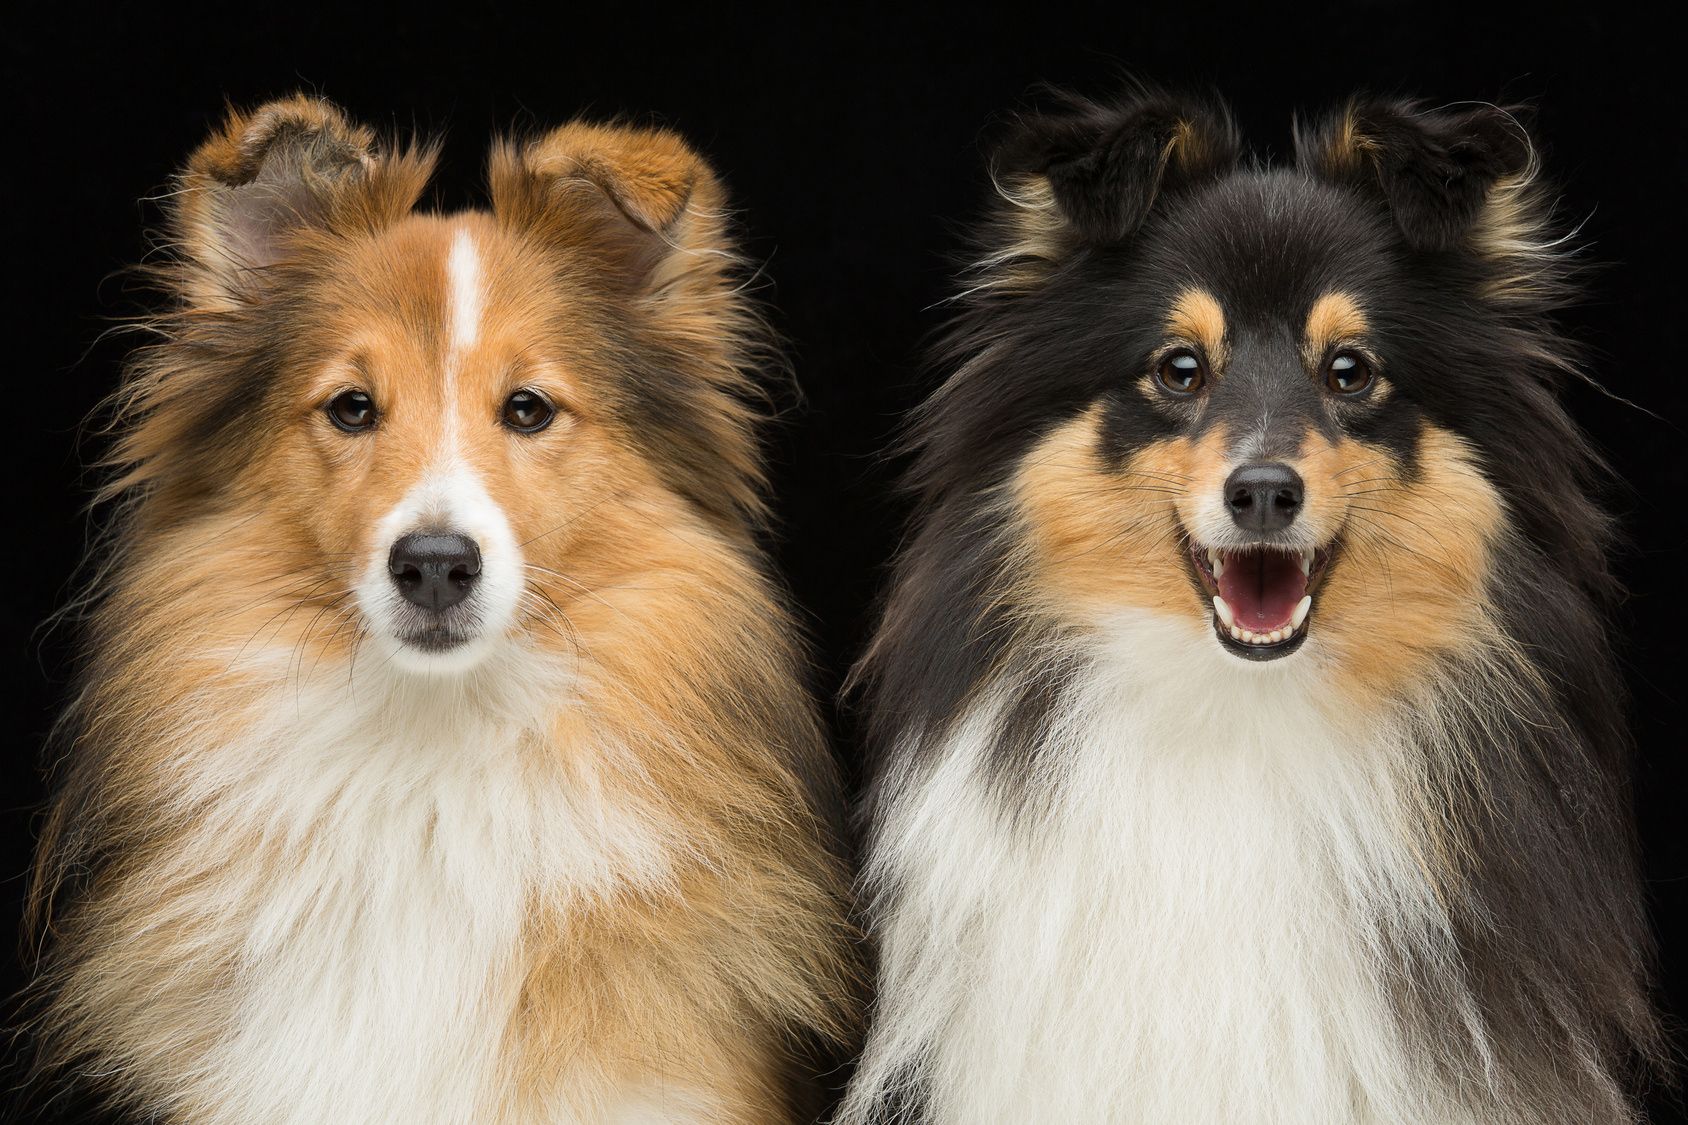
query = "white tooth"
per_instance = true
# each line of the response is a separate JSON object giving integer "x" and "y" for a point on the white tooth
{"x": 1300, "y": 614}
{"x": 1236, "y": 633}
{"x": 1224, "y": 612}
{"x": 1275, "y": 636}
{"x": 1306, "y": 562}
{"x": 1217, "y": 562}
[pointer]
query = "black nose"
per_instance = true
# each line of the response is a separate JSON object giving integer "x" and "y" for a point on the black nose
{"x": 434, "y": 570}
{"x": 1264, "y": 495}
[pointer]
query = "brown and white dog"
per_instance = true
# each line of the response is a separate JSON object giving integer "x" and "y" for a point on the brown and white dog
{"x": 442, "y": 753}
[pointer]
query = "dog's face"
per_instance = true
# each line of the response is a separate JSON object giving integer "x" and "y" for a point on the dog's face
{"x": 440, "y": 435}
{"x": 1259, "y": 439}
{"x": 1251, "y": 400}
{"x": 464, "y": 424}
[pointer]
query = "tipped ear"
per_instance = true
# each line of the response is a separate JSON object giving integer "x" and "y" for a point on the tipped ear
{"x": 1437, "y": 170}
{"x": 256, "y": 182}
{"x": 638, "y": 202}
{"x": 1092, "y": 173}
{"x": 636, "y": 216}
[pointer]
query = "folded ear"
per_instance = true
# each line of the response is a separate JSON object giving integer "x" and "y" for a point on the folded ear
{"x": 1089, "y": 173}
{"x": 1438, "y": 171}
{"x": 638, "y": 217}
{"x": 266, "y": 176}
{"x": 639, "y": 203}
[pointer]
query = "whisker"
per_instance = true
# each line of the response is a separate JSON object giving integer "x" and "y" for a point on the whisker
{"x": 1357, "y": 465}
{"x": 598, "y": 503}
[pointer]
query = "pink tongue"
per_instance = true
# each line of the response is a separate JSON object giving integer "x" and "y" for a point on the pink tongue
{"x": 1262, "y": 588}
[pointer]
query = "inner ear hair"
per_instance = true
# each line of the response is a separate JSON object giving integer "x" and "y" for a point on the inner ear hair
{"x": 1435, "y": 169}
{"x": 633, "y": 197}
{"x": 306, "y": 136}
{"x": 1086, "y": 172}
{"x": 266, "y": 175}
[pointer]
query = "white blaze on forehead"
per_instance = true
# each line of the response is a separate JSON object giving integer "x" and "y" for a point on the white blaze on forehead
{"x": 463, "y": 280}
{"x": 463, "y": 317}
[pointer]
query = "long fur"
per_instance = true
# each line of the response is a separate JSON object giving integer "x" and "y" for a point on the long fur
{"x": 287, "y": 876}
{"x": 1117, "y": 873}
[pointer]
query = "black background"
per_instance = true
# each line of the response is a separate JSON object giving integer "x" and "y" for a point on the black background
{"x": 852, "y": 148}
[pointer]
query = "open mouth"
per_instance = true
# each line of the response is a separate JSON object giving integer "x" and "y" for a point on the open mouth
{"x": 1262, "y": 595}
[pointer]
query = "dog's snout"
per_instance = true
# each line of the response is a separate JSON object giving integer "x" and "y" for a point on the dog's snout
{"x": 1264, "y": 495}
{"x": 434, "y": 570}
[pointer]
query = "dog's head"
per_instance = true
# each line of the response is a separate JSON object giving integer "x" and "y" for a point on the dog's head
{"x": 450, "y": 426}
{"x": 1266, "y": 401}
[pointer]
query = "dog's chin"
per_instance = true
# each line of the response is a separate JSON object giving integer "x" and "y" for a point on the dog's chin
{"x": 1261, "y": 594}
{"x": 438, "y": 649}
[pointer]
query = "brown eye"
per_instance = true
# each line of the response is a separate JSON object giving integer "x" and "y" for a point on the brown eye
{"x": 527, "y": 412}
{"x": 1182, "y": 372}
{"x": 352, "y": 411}
{"x": 1348, "y": 373}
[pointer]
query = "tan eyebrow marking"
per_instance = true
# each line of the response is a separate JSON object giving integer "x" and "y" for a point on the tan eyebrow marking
{"x": 1197, "y": 317}
{"x": 1335, "y": 317}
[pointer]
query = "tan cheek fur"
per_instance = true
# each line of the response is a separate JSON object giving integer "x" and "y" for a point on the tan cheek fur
{"x": 1099, "y": 538}
{"x": 1407, "y": 584}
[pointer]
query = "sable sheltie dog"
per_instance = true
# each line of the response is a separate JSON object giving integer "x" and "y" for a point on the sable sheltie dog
{"x": 1248, "y": 745}
{"x": 443, "y": 753}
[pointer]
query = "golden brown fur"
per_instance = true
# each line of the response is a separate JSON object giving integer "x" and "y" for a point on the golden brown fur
{"x": 645, "y": 608}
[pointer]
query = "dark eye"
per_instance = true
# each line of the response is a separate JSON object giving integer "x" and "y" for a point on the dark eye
{"x": 1348, "y": 373}
{"x": 352, "y": 411}
{"x": 527, "y": 412}
{"x": 1182, "y": 372}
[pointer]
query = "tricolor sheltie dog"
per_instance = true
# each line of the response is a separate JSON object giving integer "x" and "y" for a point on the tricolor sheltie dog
{"x": 443, "y": 753}
{"x": 1248, "y": 745}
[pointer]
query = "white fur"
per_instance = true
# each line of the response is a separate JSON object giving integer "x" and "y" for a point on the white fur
{"x": 463, "y": 275}
{"x": 1183, "y": 926}
{"x": 450, "y": 497}
{"x": 420, "y": 823}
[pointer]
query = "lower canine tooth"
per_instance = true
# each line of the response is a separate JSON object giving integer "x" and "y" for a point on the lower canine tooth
{"x": 1226, "y": 617}
{"x": 1300, "y": 614}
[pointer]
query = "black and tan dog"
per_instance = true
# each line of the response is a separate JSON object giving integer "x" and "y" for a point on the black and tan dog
{"x": 1248, "y": 744}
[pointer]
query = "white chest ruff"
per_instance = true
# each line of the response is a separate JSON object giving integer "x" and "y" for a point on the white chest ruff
{"x": 409, "y": 835}
{"x": 1188, "y": 929}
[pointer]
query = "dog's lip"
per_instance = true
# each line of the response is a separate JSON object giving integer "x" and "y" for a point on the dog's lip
{"x": 1279, "y": 606}
{"x": 437, "y": 637}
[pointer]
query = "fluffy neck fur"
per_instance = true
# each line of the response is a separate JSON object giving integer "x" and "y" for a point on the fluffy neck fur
{"x": 1211, "y": 894}
{"x": 288, "y": 883}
